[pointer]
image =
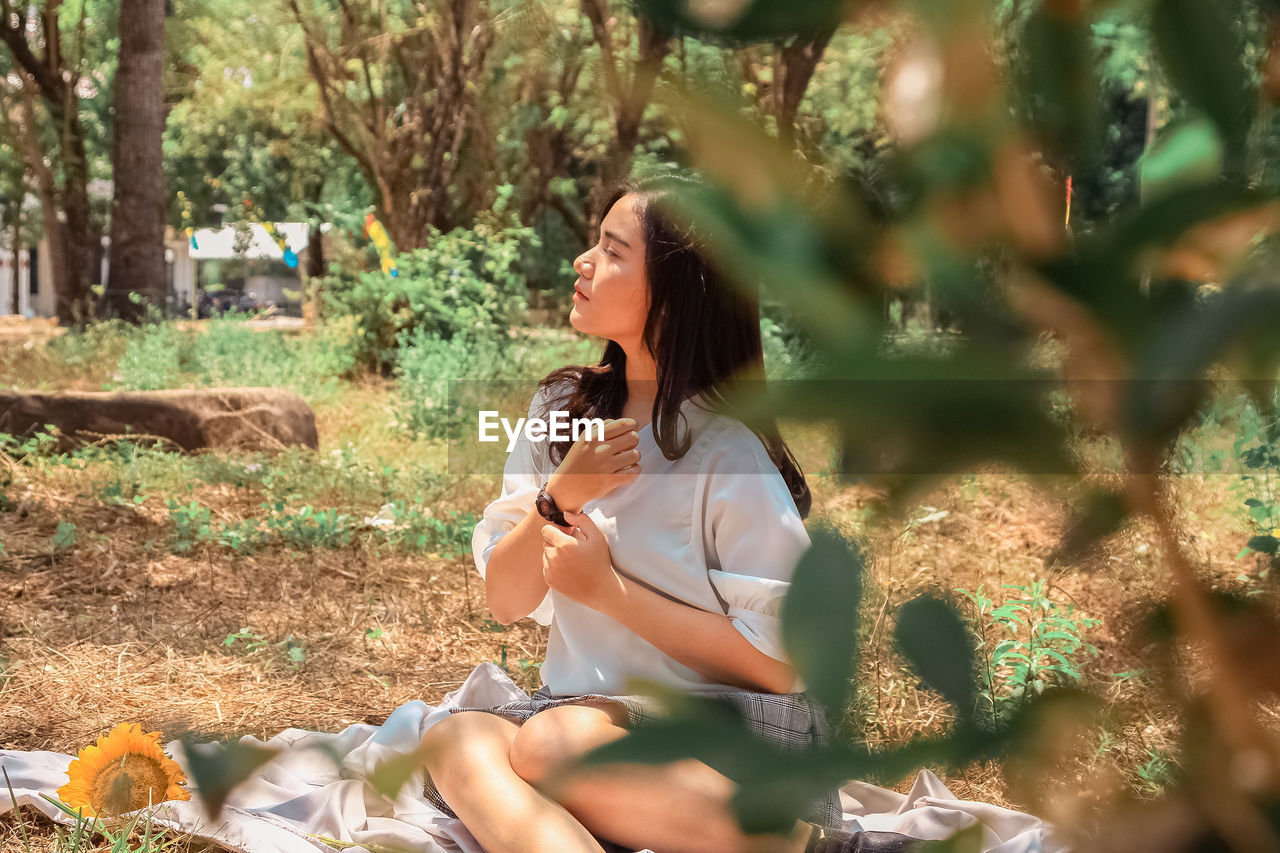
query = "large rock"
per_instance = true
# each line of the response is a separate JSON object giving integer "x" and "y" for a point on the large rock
{"x": 221, "y": 418}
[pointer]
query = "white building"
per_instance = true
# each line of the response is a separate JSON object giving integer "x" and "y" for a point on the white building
{"x": 219, "y": 244}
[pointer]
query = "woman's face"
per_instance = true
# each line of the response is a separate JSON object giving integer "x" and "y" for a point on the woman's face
{"x": 612, "y": 294}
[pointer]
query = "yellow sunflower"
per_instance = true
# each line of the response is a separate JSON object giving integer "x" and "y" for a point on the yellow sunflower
{"x": 125, "y": 771}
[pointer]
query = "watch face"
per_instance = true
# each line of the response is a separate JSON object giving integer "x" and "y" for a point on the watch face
{"x": 547, "y": 508}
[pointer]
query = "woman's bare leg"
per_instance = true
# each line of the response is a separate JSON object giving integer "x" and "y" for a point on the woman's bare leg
{"x": 672, "y": 808}
{"x": 469, "y": 761}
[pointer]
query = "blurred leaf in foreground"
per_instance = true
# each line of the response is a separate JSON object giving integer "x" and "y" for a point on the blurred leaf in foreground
{"x": 219, "y": 768}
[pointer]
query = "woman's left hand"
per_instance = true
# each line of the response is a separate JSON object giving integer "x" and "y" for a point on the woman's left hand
{"x": 579, "y": 563}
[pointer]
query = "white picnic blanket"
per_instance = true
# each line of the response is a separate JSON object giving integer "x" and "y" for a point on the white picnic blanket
{"x": 316, "y": 786}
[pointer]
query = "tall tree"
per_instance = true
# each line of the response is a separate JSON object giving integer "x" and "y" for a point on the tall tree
{"x": 55, "y": 77}
{"x": 792, "y": 66}
{"x": 398, "y": 85}
{"x": 246, "y": 124}
{"x": 137, "y": 214}
{"x": 630, "y": 82}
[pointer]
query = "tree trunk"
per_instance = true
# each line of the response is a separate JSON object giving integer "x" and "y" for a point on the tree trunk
{"x": 56, "y": 85}
{"x": 137, "y": 212}
{"x": 75, "y": 305}
{"x": 313, "y": 274}
{"x": 46, "y": 188}
{"x": 14, "y": 294}
{"x": 793, "y": 69}
{"x": 630, "y": 97}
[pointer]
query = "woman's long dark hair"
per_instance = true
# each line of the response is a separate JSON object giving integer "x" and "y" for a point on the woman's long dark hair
{"x": 703, "y": 331}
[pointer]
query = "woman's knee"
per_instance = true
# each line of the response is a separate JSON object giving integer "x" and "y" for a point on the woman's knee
{"x": 552, "y": 740}
{"x": 467, "y": 743}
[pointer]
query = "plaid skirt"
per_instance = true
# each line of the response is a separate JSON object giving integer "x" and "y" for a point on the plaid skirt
{"x": 788, "y": 720}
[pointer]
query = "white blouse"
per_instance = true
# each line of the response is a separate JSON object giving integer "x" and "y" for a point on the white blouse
{"x": 716, "y": 529}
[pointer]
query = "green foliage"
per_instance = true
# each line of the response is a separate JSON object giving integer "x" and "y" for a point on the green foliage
{"x": 154, "y": 358}
{"x": 466, "y": 284}
{"x": 427, "y": 364}
{"x": 401, "y": 525}
{"x": 418, "y": 531}
{"x": 1028, "y": 644}
{"x": 230, "y": 353}
{"x": 249, "y": 641}
{"x": 1200, "y": 49}
{"x": 523, "y": 671}
{"x": 292, "y": 651}
{"x": 216, "y": 769}
{"x": 123, "y": 487}
{"x": 786, "y": 355}
{"x": 308, "y": 528}
{"x": 137, "y": 834}
{"x": 820, "y": 619}
{"x": 1158, "y": 772}
{"x": 192, "y": 524}
{"x": 931, "y": 636}
{"x": 226, "y": 352}
{"x": 1257, "y": 455}
{"x": 42, "y": 445}
{"x": 65, "y": 536}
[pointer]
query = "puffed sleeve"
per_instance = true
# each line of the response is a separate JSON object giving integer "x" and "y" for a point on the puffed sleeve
{"x": 753, "y": 534}
{"x": 526, "y": 469}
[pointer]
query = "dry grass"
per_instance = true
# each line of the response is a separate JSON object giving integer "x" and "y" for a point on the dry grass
{"x": 117, "y": 627}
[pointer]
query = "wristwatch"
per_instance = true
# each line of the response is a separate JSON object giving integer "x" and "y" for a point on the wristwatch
{"x": 547, "y": 508}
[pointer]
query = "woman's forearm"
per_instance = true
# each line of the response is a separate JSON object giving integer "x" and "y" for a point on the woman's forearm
{"x": 705, "y": 642}
{"x": 513, "y": 581}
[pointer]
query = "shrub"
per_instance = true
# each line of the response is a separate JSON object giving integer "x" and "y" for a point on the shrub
{"x": 466, "y": 283}
{"x": 154, "y": 358}
{"x": 1027, "y": 644}
{"x": 426, "y": 365}
{"x": 226, "y": 352}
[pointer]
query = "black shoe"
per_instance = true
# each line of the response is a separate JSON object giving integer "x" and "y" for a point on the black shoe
{"x": 824, "y": 840}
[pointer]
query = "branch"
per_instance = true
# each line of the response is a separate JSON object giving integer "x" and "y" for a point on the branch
{"x": 50, "y": 84}
{"x": 595, "y": 12}
{"x": 799, "y": 59}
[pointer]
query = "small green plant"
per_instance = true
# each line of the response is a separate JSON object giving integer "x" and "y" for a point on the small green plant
{"x": 65, "y": 536}
{"x": 1257, "y": 456}
{"x": 42, "y": 444}
{"x": 418, "y": 531}
{"x": 426, "y": 364}
{"x": 292, "y": 650}
{"x": 309, "y": 528}
{"x": 119, "y": 492}
{"x": 242, "y": 537}
{"x": 226, "y": 352}
{"x": 1026, "y": 644}
{"x": 191, "y": 525}
{"x": 522, "y": 671}
{"x": 250, "y": 641}
{"x": 1157, "y": 772}
{"x": 453, "y": 534}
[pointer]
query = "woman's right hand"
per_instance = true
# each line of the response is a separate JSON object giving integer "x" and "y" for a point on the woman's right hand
{"x": 594, "y": 468}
